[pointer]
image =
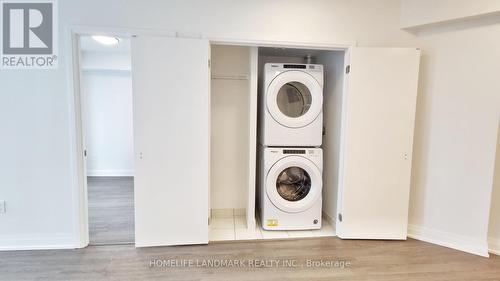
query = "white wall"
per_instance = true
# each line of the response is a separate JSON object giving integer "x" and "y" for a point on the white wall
{"x": 109, "y": 135}
{"x": 229, "y": 127}
{"x": 494, "y": 230}
{"x": 92, "y": 60}
{"x": 107, "y": 93}
{"x": 416, "y": 13}
{"x": 456, "y": 120}
{"x": 333, "y": 90}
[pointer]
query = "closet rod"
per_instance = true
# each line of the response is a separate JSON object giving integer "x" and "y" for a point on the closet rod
{"x": 230, "y": 77}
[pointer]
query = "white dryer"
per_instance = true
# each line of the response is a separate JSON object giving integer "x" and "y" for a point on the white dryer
{"x": 291, "y": 102}
{"x": 290, "y": 188}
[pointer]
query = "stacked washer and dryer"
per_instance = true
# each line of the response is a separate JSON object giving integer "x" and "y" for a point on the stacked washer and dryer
{"x": 290, "y": 136}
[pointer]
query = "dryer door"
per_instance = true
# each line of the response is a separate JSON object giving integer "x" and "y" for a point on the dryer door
{"x": 294, "y": 184}
{"x": 294, "y": 99}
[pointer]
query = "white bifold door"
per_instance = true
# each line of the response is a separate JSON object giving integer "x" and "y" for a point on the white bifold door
{"x": 170, "y": 79}
{"x": 376, "y": 143}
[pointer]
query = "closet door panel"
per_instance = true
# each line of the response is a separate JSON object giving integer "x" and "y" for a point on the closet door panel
{"x": 377, "y": 139}
{"x": 171, "y": 138}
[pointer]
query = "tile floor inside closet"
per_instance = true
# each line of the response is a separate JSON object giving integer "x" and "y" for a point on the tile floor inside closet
{"x": 229, "y": 224}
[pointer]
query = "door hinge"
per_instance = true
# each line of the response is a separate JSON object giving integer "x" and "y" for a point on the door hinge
{"x": 340, "y": 217}
{"x": 348, "y": 68}
{"x": 84, "y": 153}
{"x": 324, "y": 130}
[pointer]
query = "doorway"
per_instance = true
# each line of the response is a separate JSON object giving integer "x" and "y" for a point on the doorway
{"x": 107, "y": 127}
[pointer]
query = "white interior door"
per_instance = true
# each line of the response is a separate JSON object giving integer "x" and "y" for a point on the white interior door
{"x": 170, "y": 78}
{"x": 377, "y": 140}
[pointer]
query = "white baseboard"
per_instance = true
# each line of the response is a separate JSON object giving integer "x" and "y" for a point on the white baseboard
{"x": 37, "y": 242}
{"x": 450, "y": 240}
{"x": 110, "y": 173}
{"x": 494, "y": 246}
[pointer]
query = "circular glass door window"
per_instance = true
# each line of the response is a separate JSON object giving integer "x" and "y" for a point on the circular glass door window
{"x": 294, "y": 99}
{"x": 293, "y": 184}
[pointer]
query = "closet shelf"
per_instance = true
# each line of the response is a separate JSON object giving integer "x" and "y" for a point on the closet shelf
{"x": 229, "y": 77}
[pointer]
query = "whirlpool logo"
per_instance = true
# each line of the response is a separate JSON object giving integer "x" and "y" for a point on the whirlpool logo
{"x": 29, "y": 38}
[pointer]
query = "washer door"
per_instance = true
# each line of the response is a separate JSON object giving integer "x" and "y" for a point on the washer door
{"x": 294, "y": 99}
{"x": 293, "y": 184}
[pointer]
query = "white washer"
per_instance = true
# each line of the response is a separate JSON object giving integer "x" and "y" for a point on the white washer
{"x": 290, "y": 188}
{"x": 291, "y": 102}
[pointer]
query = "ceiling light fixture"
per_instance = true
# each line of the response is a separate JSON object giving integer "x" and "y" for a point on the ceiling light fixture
{"x": 106, "y": 40}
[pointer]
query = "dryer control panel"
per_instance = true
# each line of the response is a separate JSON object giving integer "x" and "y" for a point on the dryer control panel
{"x": 294, "y": 151}
{"x": 310, "y": 152}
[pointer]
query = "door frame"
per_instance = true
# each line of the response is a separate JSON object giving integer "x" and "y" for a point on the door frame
{"x": 80, "y": 194}
{"x": 79, "y": 183}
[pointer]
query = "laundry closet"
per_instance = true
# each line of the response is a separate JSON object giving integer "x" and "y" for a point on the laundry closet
{"x": 197, "y": 139}
{"x": 236, "y": 82}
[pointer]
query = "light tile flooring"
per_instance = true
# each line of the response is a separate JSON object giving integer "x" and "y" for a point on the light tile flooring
{"x": 226, "y": 226}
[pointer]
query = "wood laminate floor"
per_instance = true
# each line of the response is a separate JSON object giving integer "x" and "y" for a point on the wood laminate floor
{"x": 369, "y": 260}
{"x": 111, "y": 210}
